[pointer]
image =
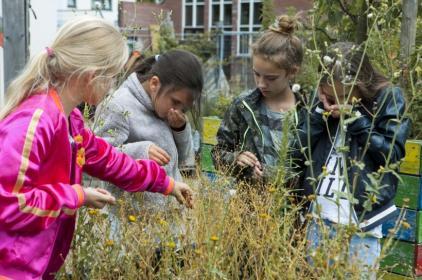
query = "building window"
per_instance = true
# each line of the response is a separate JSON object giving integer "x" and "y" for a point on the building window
{"x": 104, "y": 5}
{"x": 71, "y": 3}
{"x": 249, "y": 24}
{"x": 193, "y": 14}
{"x": 220, "y": 11}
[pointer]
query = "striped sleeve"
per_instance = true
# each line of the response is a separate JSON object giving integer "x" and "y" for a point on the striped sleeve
{"x": 25, "y": 204}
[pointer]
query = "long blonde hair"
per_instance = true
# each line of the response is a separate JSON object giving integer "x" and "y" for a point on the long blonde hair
{"x": 82, "y": 45}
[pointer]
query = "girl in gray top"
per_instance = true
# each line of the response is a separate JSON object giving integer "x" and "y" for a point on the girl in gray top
{"x": 145, "y": 118}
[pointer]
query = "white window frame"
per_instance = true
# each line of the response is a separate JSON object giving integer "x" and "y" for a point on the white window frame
{"x": 102, "y": 7}
{"x": 194, "y": 5}
{"x": 250, "y": 24}
{"x": 221, "y": 4}
{"x": 72, "y": 7}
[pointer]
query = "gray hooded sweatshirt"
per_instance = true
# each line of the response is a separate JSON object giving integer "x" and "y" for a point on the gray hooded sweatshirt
{"x": 127, "y": 120}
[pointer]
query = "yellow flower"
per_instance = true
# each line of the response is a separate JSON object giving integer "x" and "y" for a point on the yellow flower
{"x": 264, "y": 216}
{"x": 109, "y": 243}
{"x": 78, "y": 139}
{"x": 355, "y": 100}
{"x": 381, "y": 169}
{"x": 80, "y": 157}
{"x": 326, "y": 114}
{"x": 162, "y": 222}
{"x": 272, "y": 190}
{"x": 374, "y": 198}
{"x": 120, "y": 201}
{"x": 171, "y": 245}
{"x": 324, "y": 170}
{"x": 311, "y": 197}
{"x": 214, "y": 238}
{"x": 405, "y": 225}
{"x": 132, "y": 218}
{"x": 93, "y": 212}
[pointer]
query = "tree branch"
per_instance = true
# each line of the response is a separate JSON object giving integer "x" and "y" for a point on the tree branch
{"x": 322, "y": 30}
{"x": 346, "y": 11}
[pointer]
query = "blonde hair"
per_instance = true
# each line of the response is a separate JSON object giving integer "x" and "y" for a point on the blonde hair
{"x": 82, "y": 45}
{"x": 279, "y": 45}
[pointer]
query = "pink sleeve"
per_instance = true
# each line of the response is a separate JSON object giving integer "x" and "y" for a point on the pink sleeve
{"x": 26, "y": 204}
{"x": 105, "y": 162}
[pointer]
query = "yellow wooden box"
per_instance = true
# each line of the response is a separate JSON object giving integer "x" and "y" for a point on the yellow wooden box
{"x": 412, "y": 161}
{"x": 210, "y": 127}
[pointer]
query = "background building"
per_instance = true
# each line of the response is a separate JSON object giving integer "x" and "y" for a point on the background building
{"x": 238, "y": 22}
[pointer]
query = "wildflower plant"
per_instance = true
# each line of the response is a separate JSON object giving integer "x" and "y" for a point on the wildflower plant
{"x": 253, "y": 233}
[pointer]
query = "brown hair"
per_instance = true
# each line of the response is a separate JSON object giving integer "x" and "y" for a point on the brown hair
{"x": 343, "y": 60}
{"x": 279, "y": 45}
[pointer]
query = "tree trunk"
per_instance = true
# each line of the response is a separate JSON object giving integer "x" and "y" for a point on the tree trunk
{"x": 408, "y": 29}
{"x": 362, "y": 25}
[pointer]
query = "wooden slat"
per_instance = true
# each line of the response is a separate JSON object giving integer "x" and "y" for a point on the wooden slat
{"x": 210, "y": 127}
{"x": 412, "y": 161}
{"x": 400, "y": 258}
{"x": 404, "y": 233}
{"x": 392, "y": 276}
{"x": 418, "y": 260}
{"x": 419, "y": 228}
{"x": 409, "y": 190}
{"x": 206, "y": 160}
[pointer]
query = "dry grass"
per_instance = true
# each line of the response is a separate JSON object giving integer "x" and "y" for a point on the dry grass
{"x": 251, "y": 235}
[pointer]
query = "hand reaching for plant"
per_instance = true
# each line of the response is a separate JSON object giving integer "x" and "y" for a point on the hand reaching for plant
{"x": 98, "y": 198}
{"x": 176, "y": 119}
{"x": 183, "y": 193}
{"x": 158, "y": 155}
{"x": 246, "y": 158}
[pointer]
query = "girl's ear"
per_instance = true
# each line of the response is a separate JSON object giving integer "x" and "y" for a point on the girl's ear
{"x": 154, "y": 85}
{"x": 293, "y": 72}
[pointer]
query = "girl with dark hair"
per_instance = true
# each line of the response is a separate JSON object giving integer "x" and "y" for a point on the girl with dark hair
{"x": 146, "y": 118}
{"x": 356, "y": 129}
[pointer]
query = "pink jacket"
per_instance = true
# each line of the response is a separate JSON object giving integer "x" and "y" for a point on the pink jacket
{"x": 40, "y": 159}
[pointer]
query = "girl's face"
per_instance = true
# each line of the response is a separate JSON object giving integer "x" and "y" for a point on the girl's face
{"x": 269, "y": 78}
{"x": 180, "y": 100}
{"x": 97, "y": 89}
{"x": 338, "y": 93}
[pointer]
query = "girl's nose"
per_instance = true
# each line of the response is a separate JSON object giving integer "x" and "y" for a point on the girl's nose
{"x": 261, "y": 83}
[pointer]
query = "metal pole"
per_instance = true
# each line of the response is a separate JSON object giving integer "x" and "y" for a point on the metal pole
{"x": 16, "y": 37}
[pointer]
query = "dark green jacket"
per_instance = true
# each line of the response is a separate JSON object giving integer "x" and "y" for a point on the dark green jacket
{"x": 246, "y": 128}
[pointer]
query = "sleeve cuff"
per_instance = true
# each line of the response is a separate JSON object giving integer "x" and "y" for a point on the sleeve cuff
{"x": 319, "y": 110}
{"x": 180, "y": 129}
{"x": 80, "y": 194}
{"x": 170, "y": 185}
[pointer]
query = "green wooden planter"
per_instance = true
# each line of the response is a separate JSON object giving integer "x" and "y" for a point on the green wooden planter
{"x": 206, "y": 160}
{"x": 400, "y": 258}
{"x": 409, "y": 190}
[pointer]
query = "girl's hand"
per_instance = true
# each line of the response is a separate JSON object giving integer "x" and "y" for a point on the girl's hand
{"x": 176, "y": 119}
{"x": 328, "y": 106}
{"x": 183, "y": 193}
{"x": 98, "y": 198}
{"x": 257, "y": 172}
{"x": 246, "y": 158}
{"x": 158, "y": 155}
